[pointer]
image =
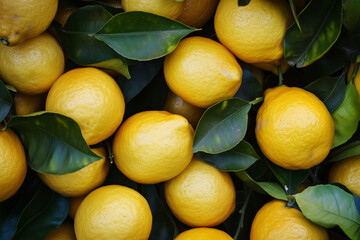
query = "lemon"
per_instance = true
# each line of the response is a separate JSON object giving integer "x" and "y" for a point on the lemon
{"x": 113, "y": 212}
{"x": 347, "y": 172}
{"x": 197, "y": 12}
{"x": 26, "y": 104}
{"x": 202, "y": 72}
{"x": 203, "y": 234}
{"x": 274, "y": 221}
{"x": 255, "y": 32}
{"x": 13, "y": 165}
{"x": 24, "y": 19}
{"x": 153, "y": 146}
{"x": 82, "y": 181}
{"x": 294, "y": 129}
{"x": 32, "y": 66}
{"x": 170, "y": 9}
{"x": 64, "y": 232}
{"x": 201, "y": 195}
{"x": 74, "y": 205}
{"x": 92, "y": 98}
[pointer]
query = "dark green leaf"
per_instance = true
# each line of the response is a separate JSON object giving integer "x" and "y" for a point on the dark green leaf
{"x": 330, "y": 90}
{"x": 53, "y": 142}
{"x": 357, "y": 202}
{"x": 290, "y": 179}
{"x": 321, "y": 23}
{"x": 80, "y": 45}
{"x": 164, "y": 226}
{"x": 141, "y": 75}
{"x": 243, "y": 2}
{"x": 345, "y": 151}
{"x": 222, "y": 126}
{"x": 330, "y": 206}
{"x": 293, "y": 11}
{"x": 142, "y": 36}
{"x": 250, "y": 88}
{"x": 45, "y": 212}
{"x": 108, "y": 7}
{"x": 349, "y": 44}
{"x": 351, "y": 15}
{"x": 236, "y": 159}
{"x": 6, "y": 101}
{"x": 271, "y": 188}
{"x": 346, "y": 116}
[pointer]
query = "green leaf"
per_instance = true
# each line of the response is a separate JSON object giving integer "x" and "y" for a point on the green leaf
{"x": 293, "y": 11}
{"x": 45, "y": 212}
{"x": 222, "y": 126}
{"x": 250, "y": 88}
{"x": 53, "y": 143}
{"x": 141, "y": 35}
{"x": 6, "y": 101}
{"x": 236, "y": 159}
{"x": 330, "y": 90}
{"x": 330, "y": 206}
{"x": 164, "y": 226}
{"x": 243, "y": 2}
{"x": 271, "y": 188}
{"x": 351, "y": 15}
{"x": 344, "y": 151}
{"x": 346, "y": 116}
{"x": 321, "y": 23}
{"x": 349, "y": 44}
{"x": 78, "y": 41}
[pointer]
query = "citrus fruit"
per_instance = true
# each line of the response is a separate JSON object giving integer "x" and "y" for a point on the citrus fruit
{"x": 201, "y": 195}
{"x": 166, "y": 8}
{"x": 32, "y": 66}
{"x": 197, "y": 12}
{"x": 24, "y": 19}
{"x": 274, "y": 221}
{"x": 74, "y": 205}
{"x": 64, "y": 232}
{"x": 203, "y": 234}
{"x": 113, "y": 212}
{"x": 82, "y": 181}
{"x": 202, "y": 72}
{"x": 294, "y": 129}
{"x": 92, "y": 98}
{"x": 255, "y": 32}
{"x": 347, "y": 172}
{"x": 13, "y": 166}
{"x": 176, "y": 105}
{"x": 153, "y": 146}
{"x": 26, "y": 104}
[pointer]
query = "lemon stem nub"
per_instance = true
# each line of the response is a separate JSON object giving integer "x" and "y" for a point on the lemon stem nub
{"x": 356, "y": 67}
{"x": 280, "y": 76}
{"x": 4, "y": 41}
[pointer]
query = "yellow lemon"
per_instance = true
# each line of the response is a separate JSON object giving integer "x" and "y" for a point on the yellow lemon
{"x": 92, "y": 98}
{"x": 34, "y": 65}
{"x": 347, "y": 172}
{"x": 201, "y": 195}
{"x": 64, "y": 232}
{"x": 113, "y": 212}
{"x": 203, "y": 234}
{"x": 274, "y": 221}
{"x": 74, "y": 205}
{"x": 13, "y": 166}
{"x": 26, "y": 104}
{"x": 197, "y": 12}
{"x": 170, "y": 9}
{"x": 202, "y": 72}
{"x": 255, "y": 32}
{"x": 82, "y": 181}
{"x": 24, "y": 19}
{"x": 153, "y": 146}
{"x": 294, "y": 129}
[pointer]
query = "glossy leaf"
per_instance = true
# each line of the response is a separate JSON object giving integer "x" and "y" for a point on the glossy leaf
{"x": 164, "y": 226}
{"x": 357, "y": 202}
{"x": 53, "y": 142}
{"x": 250, "y": 88}
{"x": 345, "y": 151}
{"x": 142, "y": 36}
{"x": 346, "y": 116}
{"x": 351, "y": 15}
{"x": 222, "y": 126}
{"x": 141, "y": 75}
{"x": 271, "y": 188}
{"x": 321, "y": 23}
{"x": 236, "y": 159}
{"x": 80, "y": 45}
{"x": 243, "y": 2}
{"x": 293, "y": 11}
{"x": 6, "y": 101}
{"x": 330, "y": 90}
{"x": 330, "y": 206}
{"x": 45, "y": 212}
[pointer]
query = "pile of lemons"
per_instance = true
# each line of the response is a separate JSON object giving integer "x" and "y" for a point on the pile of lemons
{"x": 293, "y": 127}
